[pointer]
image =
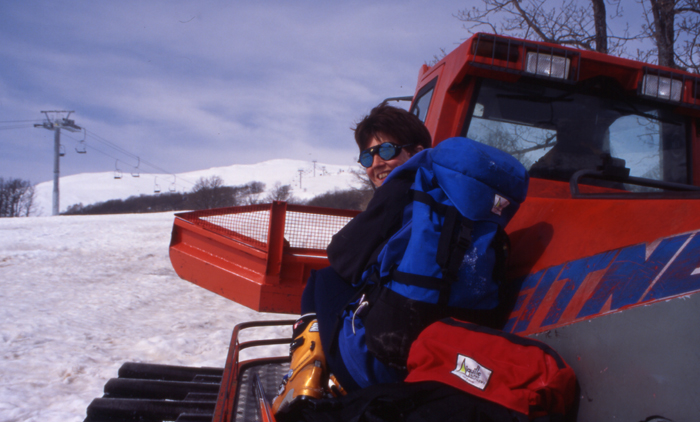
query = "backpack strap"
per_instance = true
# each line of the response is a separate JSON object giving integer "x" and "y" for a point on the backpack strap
{"x": 356, "y": 246}
{"x": 501, "y": 246}
{"x": 427, "y": 282}
{"x": 454, "y": 242}
{"x": 428, "y": 200}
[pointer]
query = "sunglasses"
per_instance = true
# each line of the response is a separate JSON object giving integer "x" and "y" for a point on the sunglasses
{"x": 386, "y": 152}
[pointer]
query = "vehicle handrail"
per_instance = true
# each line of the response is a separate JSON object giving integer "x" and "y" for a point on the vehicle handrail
{"x": 672, "y": 190}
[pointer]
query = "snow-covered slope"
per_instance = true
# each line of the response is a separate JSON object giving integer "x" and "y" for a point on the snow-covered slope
{"x": 307, "y": 179}
{"x": 80, "y": 295}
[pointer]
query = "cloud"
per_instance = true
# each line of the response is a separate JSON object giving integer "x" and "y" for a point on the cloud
{"x": 193, "y": 85}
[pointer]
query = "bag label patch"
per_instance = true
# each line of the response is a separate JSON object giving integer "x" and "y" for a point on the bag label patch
{"x": 471, "y": 372}
{"x": 499, "y": 204}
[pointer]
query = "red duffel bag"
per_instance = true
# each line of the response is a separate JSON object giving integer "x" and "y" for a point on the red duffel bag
{"x": 520, "y": 373}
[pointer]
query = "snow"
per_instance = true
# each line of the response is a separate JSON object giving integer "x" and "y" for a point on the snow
{"x": 80, "y": 295}
{"x": 308, "y": 179}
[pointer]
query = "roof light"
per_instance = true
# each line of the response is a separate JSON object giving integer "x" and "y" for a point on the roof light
{"x": 662, "y": 87}
{"x": 548, "y": 65}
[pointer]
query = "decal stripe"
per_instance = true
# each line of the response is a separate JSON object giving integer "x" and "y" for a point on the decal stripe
{"x": 578, "y": 273}
{"x": 547, "y": 303}
{"x": 607, "y": 282}
{"x": 678, "y": 279}
{"x": 673, "y": 258}
{"x": 530, "y": 308}
{"x": 629, "y": 275}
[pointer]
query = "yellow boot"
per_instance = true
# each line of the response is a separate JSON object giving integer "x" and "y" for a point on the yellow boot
{"x": 307, "y": 377}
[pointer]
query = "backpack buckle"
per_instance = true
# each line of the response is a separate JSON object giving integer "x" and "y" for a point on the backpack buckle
{"x": 362, "y": 304}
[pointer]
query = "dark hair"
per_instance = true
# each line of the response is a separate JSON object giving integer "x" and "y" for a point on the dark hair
{"x": 393, "y": 122}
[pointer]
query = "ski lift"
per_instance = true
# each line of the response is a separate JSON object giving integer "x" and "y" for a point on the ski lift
{"x": 81, "y": 148}
{"x": 156, "y": 188}
{"x": 117, "y": 172}
{"x": 61, "y": 151}
{"x": 135, "y": 172}
{"x": 172, "y": 188}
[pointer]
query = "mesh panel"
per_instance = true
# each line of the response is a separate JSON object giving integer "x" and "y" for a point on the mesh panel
{"x": 312, "y": 231}
{"x": 308, "y": 228}
{"x": 251, "y": 225}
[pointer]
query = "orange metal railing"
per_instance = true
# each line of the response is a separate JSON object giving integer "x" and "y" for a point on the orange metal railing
{"x": 257, "y": 255}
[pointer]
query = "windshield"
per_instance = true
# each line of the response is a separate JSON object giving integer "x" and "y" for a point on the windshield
{"x": 555, "y": 132}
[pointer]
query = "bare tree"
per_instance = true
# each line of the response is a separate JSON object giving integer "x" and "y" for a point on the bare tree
{"x": 212, "y": 182}
{"x": 16, "y": 198}
{"x": 365, "y": 182}
{"x": 26, "y": 206}
{"x": 688, "y": 28}
{"x": 600, "y": 25}
{"x": 366, "y": 189}
{"x": 518, "y": 141}
{"x": 674, "y": 27}
{"x": 280, "y": 192}
{"x": 211, "y": 193}
{"x": 249, "y": 194}
{"x": 568, "y": 23}
{"x": 660, "y": 18}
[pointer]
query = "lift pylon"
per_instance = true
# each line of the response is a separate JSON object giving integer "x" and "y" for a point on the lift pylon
{"x": 56, "y": 125}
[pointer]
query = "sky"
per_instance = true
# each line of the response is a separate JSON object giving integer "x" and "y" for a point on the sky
{"x": 178, "y": 86}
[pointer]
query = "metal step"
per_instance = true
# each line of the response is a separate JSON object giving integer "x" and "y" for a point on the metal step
{"x": 108, "y": 409}
{"x": 156, "y": 389}
{"x": 186, "y": 417}
{"x": 166, "y": 372}
{"x": 156, "y": 393}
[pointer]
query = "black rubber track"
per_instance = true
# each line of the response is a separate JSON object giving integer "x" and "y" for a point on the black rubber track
{"x": 155, "y": 393}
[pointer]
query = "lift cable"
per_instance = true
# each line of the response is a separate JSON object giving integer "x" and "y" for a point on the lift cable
{"x": 21, "y": 124}
{"x": 133, "y": 156}
{"x": 130, "y": 155}
{"x": 112, "y": 145}
{"x": 22, "y": 121}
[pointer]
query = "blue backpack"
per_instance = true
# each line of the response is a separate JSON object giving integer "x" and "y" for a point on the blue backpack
{"x": 439, "y": 261}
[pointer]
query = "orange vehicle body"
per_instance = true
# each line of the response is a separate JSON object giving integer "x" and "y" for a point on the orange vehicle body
{"x": 259, "y": 256}
{"x": 267, "y": 273}
{"x": 581, "y": 252}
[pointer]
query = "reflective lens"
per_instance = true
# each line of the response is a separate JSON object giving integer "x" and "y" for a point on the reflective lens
{"x": 548, "y": 65}
{"x": 386, "y": 152}
{"x": 662, "y": 87}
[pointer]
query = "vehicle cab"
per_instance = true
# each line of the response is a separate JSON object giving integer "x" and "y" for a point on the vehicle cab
{"x": 605, "y": 249}
{"x": 560, "y": 110}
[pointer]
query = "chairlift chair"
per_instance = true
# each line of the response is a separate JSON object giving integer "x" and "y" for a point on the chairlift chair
{"x": 117, "y": 173}
{"x": 156, "y": 188}
{"x": 135, "y": 172}
{"x": 81, "y": 148}
{"x": 61, "y": 151}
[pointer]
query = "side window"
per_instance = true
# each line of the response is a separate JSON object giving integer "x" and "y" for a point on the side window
{"x": 525, "y": 142}
{"x": 422, "y": 102}
{"x": 556, "y": 132}
{"x": 648, "y": 144}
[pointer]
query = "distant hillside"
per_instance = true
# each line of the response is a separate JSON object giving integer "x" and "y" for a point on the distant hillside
{"x": 308, "y": 180}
